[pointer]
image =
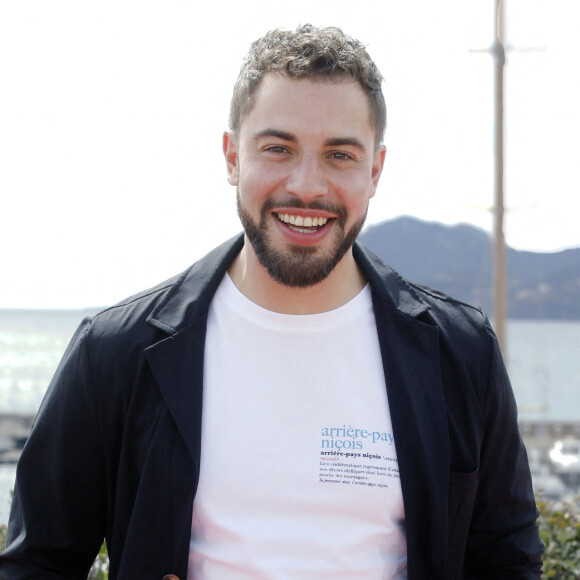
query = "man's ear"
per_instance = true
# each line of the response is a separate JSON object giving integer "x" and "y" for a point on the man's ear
{"x": 231, "y": 155}
{"x": 378, "y": 164}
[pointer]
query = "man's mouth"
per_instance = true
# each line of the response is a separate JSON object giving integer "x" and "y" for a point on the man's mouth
{"x": 303, "y": 225}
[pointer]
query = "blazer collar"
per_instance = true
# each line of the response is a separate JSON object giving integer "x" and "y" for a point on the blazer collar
{"x": 191, "y": 295}
{"x": 395, "y": 292}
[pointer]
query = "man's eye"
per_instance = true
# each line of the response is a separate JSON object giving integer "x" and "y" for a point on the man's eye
{"x": 276, "y": 149}
{"x": 340, "y": 155}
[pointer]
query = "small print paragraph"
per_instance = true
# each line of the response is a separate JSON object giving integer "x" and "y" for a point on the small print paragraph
{"x": 352, "y": 456}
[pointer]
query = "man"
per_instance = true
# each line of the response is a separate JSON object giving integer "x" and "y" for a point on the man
{"x": 289, "y": 407}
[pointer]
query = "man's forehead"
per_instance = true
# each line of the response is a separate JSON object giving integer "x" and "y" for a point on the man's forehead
{"x": 292, "y": 101}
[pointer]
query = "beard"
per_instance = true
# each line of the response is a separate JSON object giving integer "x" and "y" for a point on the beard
{"x": 298, "y": 266}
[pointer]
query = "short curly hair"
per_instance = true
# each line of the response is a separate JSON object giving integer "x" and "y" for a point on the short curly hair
{"x": 309, "y": 52}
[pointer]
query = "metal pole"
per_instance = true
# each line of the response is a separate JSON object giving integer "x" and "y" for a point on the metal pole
{"x": 500, "y": 299}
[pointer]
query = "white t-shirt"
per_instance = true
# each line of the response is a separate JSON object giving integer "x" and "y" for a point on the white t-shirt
{"x": 299, "y": 476}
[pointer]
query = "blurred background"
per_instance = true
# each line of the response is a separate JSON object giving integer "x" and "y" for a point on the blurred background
{"x": 112, "y": 178}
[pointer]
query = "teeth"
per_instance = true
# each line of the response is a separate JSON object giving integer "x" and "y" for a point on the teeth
{"x": 297, "y": 220}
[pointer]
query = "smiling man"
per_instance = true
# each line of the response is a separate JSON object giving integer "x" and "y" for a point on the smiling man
{"x": 306, "y": 164}
{"x": 289, "y": 407}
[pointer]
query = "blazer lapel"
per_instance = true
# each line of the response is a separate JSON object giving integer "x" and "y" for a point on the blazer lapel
{"x": 410, "y": 352}
{"x": 177, "y": 365}
{"x": 177, "y": 360}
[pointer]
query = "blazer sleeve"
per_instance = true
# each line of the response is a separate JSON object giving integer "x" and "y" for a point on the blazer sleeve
{"x": 503, "y": 540}
{"x": 58, "y": 513}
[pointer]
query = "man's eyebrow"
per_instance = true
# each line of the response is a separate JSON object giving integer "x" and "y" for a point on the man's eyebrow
{"x": 341, "y": 141}
{"x": 276, "y": 133}
{"x": 332, "y": 142}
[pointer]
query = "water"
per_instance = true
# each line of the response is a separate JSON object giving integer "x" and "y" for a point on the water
{"x": 31, "y": 345}
{"x": 542, "y": 358}
{"x": 544, "y": 368}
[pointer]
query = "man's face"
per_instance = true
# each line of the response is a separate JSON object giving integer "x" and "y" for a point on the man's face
{"x": 305, "y": 167}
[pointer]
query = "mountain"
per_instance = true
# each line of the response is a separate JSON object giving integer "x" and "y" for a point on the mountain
{"x": 458, "y": 260}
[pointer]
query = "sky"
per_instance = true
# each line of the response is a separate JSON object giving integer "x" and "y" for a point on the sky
{"x": 112, "y": 113}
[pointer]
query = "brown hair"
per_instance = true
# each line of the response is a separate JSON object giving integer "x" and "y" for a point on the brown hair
{"x": 309, "y": 52}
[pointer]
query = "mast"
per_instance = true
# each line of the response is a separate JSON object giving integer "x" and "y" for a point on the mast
{"x": 500, "y": 270}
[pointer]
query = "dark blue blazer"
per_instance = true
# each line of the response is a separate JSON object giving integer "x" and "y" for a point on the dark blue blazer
{"x": 115, "y": 448}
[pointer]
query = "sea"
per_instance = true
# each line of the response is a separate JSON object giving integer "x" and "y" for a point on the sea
{"x": 542, "y": 358}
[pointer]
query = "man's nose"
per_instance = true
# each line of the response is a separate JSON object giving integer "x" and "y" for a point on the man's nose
{"x": 307, "y": 180}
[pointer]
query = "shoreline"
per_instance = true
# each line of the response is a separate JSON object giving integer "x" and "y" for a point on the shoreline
{"x": 14, "y": 431}
{"x": 536, "y": 433}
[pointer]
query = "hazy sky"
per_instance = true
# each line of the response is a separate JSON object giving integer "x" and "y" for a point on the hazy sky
{"x": 111, "y": 116}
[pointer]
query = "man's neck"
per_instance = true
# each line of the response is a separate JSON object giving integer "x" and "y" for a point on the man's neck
{"x": 253, "y": 280}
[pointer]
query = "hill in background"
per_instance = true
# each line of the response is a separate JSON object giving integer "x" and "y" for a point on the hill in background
{"x": 458, "y": 260}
